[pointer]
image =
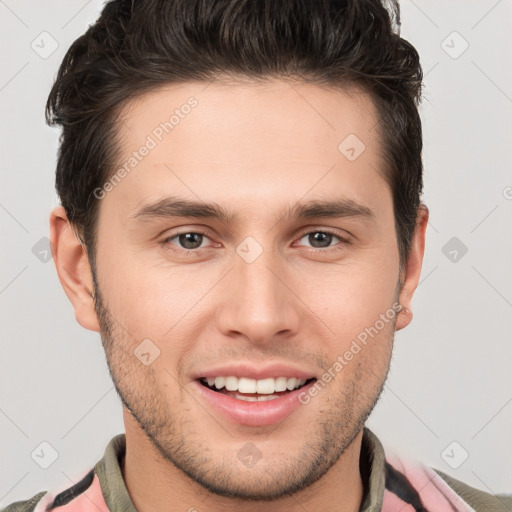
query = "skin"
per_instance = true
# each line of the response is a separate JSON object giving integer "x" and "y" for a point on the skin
{"x": 256, "y": 149}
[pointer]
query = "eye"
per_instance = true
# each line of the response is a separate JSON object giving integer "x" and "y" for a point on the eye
{"x": 188, "y": 240}
{"x": 322, "y": 239}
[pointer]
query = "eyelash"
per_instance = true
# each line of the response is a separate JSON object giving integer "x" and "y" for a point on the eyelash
{"x": 335, "y": 247}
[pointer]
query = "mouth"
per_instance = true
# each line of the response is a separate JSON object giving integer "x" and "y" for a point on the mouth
{"x": 252, "y": 390}
{"x": 244, "y": 394}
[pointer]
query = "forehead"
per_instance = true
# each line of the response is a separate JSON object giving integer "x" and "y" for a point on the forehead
{"x": 249, "y": 144}
{"x": 296, "y": 112}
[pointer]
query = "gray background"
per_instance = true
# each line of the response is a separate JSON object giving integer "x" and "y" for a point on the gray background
{"x": 450, "y": 379}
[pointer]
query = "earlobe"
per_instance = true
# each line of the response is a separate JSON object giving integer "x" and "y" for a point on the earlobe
{"x": 412, "y": 271}
{"x": 73, "y": 269}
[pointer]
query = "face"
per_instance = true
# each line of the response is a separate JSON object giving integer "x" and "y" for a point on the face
{"x": 276, "y": 292}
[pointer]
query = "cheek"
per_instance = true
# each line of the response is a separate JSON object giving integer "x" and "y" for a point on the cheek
{"x": 159, "y": 302}
{"x": 352, "y": 295}
{"x": 128, "y": 292}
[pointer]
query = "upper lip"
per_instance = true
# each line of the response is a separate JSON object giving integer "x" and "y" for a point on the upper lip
{"x": 251, "y": 371}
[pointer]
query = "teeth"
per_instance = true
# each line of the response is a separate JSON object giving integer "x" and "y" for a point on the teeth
{"x": 262, "y": 387}
{"x": 260, "y": 398}
{"x": 231, "y": 383}
{"x": 291, "y": 384}
{"x": 265, "y": 386}
{"x": 281, "y": 384}
{"x": 246, "y": 385}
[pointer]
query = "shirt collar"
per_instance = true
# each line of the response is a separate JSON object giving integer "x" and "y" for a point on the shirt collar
{"x": 115, "y": 493}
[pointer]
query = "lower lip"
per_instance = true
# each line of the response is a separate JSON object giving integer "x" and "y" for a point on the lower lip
{"x": 254, "y": 414}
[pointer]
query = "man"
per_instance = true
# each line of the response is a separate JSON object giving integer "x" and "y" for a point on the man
{"x": 241, "y": 221}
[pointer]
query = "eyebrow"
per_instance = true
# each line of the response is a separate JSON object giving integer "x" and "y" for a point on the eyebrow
{"x": 177, "y": 207}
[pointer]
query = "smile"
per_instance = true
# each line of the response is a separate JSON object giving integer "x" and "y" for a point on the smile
{"x": 252, "y": 402}
{"x": 245, "y": 385}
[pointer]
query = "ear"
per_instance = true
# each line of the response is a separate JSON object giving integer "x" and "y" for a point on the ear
{"x": 73, "y": 269}
{"x": 410, "y": 276}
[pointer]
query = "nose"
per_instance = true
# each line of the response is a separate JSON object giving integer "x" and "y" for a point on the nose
{"x": 259, "y": 302}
